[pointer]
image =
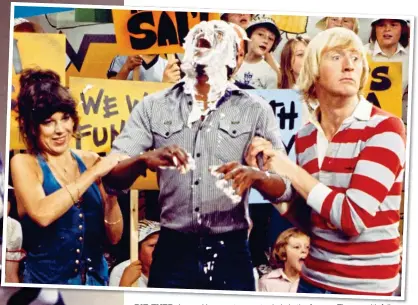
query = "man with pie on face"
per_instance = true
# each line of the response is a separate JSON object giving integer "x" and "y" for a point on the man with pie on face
{"x": 204, "y": 120}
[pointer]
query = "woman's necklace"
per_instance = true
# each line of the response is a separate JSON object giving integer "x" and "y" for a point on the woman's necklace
{"x": 65, "y": 178}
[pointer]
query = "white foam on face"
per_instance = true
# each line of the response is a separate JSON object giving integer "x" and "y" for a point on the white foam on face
{"x": 223, "y": 41}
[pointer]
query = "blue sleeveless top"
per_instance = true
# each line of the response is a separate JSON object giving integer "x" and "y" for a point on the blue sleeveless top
{"x": 72, "y": 243}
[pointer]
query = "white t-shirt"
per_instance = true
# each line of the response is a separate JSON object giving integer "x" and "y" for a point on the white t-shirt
{"x": 151, "y": 72}
{"x": 259, "y": 75}
{"x": 117, "y": 272}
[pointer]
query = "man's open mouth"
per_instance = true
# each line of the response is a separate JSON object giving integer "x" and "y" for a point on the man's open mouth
{"x": 203, "y": 43}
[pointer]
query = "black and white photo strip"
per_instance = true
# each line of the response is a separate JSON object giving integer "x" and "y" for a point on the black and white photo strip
{"x": 227, "y": 153}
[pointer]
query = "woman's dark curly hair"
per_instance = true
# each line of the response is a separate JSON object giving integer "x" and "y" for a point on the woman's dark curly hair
{"x": 40, "y": 96}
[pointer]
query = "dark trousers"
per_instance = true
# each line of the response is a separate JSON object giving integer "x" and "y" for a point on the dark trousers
{"x": 192, "y": 261}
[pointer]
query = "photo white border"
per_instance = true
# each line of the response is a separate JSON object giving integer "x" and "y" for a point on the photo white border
{"x": 408, "y": 169}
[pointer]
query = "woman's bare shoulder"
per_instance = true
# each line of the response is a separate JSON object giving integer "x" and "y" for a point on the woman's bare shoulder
{"x": 89, "y": 157}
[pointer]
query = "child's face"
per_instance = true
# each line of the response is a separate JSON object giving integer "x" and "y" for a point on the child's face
{"x": 297, "y": 57}
{"x": 297, "y": 250}
{"x": 240, "y": 19}
{"x": 146, "y": 250}
{"x": 388, "y": 32}
{"x": 261, "y": 41}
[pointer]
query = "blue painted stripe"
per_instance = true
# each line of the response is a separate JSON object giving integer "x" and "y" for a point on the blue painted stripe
{"x": 28, "y": 11}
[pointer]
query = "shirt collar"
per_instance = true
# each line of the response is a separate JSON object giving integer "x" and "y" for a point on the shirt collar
{"x": 377, "y": 50}
{"x": 278, "y": 274}
{"x": 231, "y": 86}
{"x": 362, "y": 112}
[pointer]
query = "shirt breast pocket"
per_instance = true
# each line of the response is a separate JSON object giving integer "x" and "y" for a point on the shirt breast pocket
{"x": 232, "y": 140}
{"x": 168, "y": 132}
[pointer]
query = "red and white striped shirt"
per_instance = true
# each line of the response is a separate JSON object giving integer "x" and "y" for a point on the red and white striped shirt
{"x": 355, "y": 209}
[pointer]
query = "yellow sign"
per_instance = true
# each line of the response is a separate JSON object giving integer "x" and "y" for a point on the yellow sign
{"x": 384, "y": 86}
{"x": 33, "y": 50}
{"x": 104, "y": 107}
{"x": 154, "y": 32}
{"x": 291, "y": 24}
{"x": 45, "y": 51}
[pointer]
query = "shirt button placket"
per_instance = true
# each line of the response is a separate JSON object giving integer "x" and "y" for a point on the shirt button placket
{"x": 196, "y": 213}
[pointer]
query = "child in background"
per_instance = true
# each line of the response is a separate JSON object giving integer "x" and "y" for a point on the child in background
{"x": 265, "y": 37}
{"x": 242, "y": 20}
{"x": 127, "y": 273}
{"x": 291, "y": 61}
{"x": 290, "y": 250}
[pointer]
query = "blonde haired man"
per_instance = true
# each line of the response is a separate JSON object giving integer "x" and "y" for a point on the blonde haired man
{"x": 349, "y": 169}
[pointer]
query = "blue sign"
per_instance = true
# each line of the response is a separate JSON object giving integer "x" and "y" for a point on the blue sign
{"x": 287, "y": 107}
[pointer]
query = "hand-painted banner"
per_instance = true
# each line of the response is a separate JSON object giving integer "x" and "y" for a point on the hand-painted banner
{"x": 104, "y": 107}
{"x": 384, "y": 86}
{"x": 154, "y": 32}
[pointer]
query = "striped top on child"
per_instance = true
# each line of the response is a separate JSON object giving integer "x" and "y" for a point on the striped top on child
{"x": 355, "y": 209}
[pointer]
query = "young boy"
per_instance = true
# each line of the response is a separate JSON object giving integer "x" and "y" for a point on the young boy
{"x": 290, "y": 250}
{"x": 265, "y": 37}
{"x": 126, "y": 273}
